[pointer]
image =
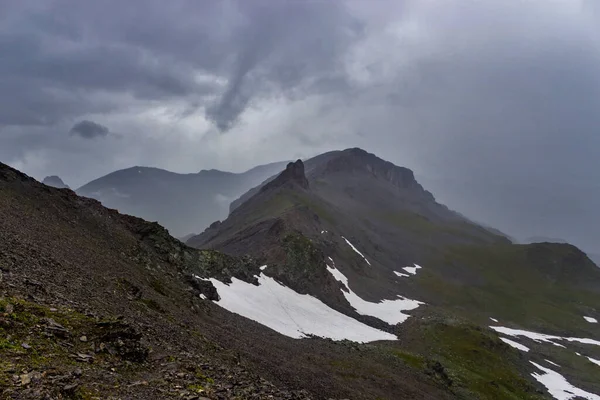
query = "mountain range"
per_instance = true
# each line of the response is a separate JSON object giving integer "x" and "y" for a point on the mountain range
{"x": 337, "y": 277}
{"x": 183, "y": 203}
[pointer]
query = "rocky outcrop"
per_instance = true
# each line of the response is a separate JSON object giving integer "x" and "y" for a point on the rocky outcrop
{"x": 293, "y": 175}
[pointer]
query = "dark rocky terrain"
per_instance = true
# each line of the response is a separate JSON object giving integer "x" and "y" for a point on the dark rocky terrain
{"x": 183, "y": 203}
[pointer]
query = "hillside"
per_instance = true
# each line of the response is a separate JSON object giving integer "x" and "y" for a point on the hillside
{"x": 183, "y": 203}
{"x": 96, "y": 304}
{"x": 356, "y": 220}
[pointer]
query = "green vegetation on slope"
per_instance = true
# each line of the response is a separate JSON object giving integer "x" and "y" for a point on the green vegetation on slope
{"x": 469, "y": 360}
{"x": 38, "y": 343}
{"x": 541, "y": 287}
{"x": 422, "y": 226}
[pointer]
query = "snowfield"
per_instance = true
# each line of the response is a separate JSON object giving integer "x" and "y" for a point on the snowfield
{"x": 291, "y": 313}
{"x": 558, "y": 386}
{"x": 389, "y": 311}
{"x": 591, "y": 320}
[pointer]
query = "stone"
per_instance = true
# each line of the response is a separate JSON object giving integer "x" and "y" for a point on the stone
{"x": 25, "y": 379}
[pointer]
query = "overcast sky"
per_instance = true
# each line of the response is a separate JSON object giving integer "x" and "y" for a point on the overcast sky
{"x": 494, "y": 104}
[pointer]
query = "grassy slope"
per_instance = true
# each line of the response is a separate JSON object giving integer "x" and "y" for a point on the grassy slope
{"x": 471, "y": 361}
{"x": 467, "y": 360}
{"x": 511, "y": 283}
{"x": 540, "y": 287}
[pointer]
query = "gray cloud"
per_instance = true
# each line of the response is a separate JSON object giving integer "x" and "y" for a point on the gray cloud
{"x": 282, "y": 45}
{"x": 89, "y": 130}
{"x": 493, "y": 104}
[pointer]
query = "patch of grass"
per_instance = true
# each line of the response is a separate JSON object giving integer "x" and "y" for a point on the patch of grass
{"x": 470, "y": 361}
{"x": 274, "y": 206}
{"x": 345, "y": 368}
{"x": 301, "y": 252}
{"x": 319, "y": 208}
{"x": 153, "y": 305}
{"x": 423, "y": 226}
{"x": 410, "y": 359}
{"x": 26, "y": 324}
{"x": 6, "y": 344}
{"x": 158, "y": 286}
{"x": 196, "y": 388}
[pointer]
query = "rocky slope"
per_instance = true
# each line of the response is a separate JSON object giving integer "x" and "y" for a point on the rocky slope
{"x": 183, "y": 203}
{"x": 96, "y": 304}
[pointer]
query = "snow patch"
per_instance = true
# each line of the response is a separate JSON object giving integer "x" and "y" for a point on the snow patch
{"x": 558, "y": 387}
{"x": 263, "y": 267}
{"x": 494, "y": 319}
{"x": 514, "y": 344}
{"x": 202, "y": 296}
{"x": 591, "y": 320}
{"x": 389, "y": 311}
{"x": 550, "y": 362}
{"x": 540, "y": 337}
{"x": 356, "y": 250}
{"x": 597, "y": 362}
{"x": 401, "y": 274}
{"x": 412, "y": 270}
{"x": 290, "y": 313}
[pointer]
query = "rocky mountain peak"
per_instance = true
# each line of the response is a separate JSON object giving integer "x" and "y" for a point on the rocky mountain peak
{"x": 357, "y": 161}
{"x": 293, "y": 174}
{"x": 54, "y": 181}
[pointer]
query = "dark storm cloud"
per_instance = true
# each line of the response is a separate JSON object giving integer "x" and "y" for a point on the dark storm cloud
{"x": 152, "y": 51}
{"x": 283, "y": 45}
{"x": 89, "y": 130}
